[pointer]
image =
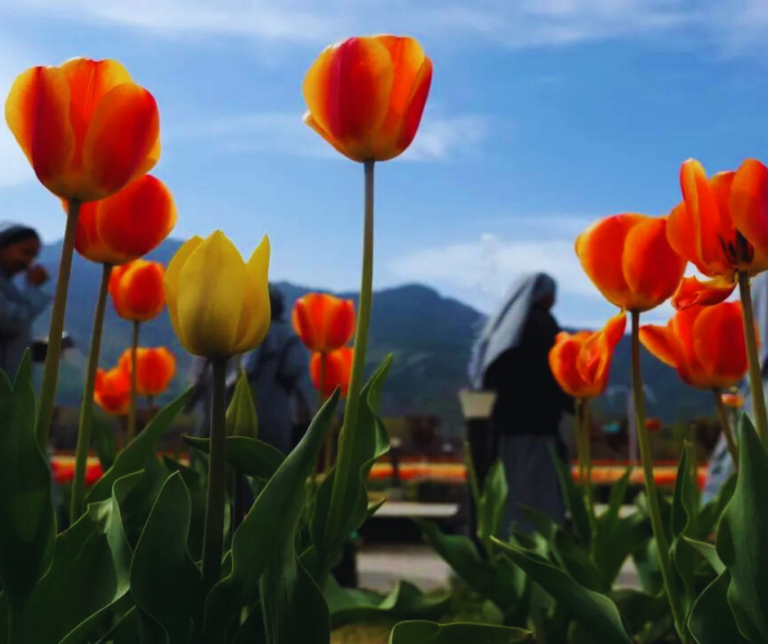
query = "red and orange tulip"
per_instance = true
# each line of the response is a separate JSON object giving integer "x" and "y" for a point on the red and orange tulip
{"x": 366, "y": 95}
{"x": 338, "y": 370}
{"x": 113, "y": 391}
{"x": 85, "y": 126}
{"x": 732, "y": 399}
{"x": 155, "y": 369}
{"x": 128, "y": 224}
{"x": 630, "y": 260}
{"x": 704, "y": 343}
{"x": 323, "y": 322}
{"x": 137, "y": 290}
{"x": 722, "y": 227}
{"x": 581, "y": 362}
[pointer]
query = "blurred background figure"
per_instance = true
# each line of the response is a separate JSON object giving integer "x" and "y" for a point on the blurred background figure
{"x": 278, "y": 371}
{"x": 21, "y": 303}
{"x": 511, "y": 359}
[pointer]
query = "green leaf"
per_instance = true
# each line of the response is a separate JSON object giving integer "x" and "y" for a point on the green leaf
{"x": 431, "y": 633}
{"x": 469, "y": 464}
{"x": 89, "y": 572}
{"x": 639, "y": 608}
{"x": 198, "y": 491}
{"x": 241, "y": 413}
{"x": 709, "y": 552}
{"x": 596, "y": 613}
{"x": 406, "y": 601}
{"x": 104, "y": 442}
{"x": 136, "y": 501}
{"x": 608, "y": 521}
{"x": 247, "y": 455}
{"x": 711, "y": 620}
{"x": 575, "y": 560}
{"x": 541, "y": 521}
{"x": 101, "y": 623}
{"x": 574, "y": 498}
{"x": 612, "y": 548}
{"x": 371, "y": 442}
{"x": 133, "y": 458}
{"x": 683, "y": 525}
{"x": 648, "y": 567}
{"x": 269, "y": 526}
{"x": 27, "y": 521}
{"x": 710, "y": 514}
{"x": 741, "y": 538}
{"x": 126, "y": 631}
{"x": 165, "y": 582}
{"x": 492, "y": 510}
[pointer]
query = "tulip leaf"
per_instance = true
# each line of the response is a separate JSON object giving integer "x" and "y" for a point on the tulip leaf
{"x": 682, "y": 553}
{"x": 431, "y": 633}
{"x": 574, "y": 498}
{"x": 575, "y": 560}
{"x": 709, "y": 552}
{"x": 492, "y": 509}
{"x": 639, "y": 608}
{"x": 710, "y": 514}
{"x": 248, "y": 456}
{"x": 740, "y": 538}
{"x": 711, "y": 620}
{"x": 27, "y": 520}
{"x": 101, "y": 623}
{"x": 104, "y": 442}
{"x": 241, "y": 413}
{"x": 594, "y": 612}
{"x": 370, "y": 443}
{"x": 198, "y": 492}
{"x": 406, "y": 601}
{"x": 165, "y": 582}
{"x": 264, "y": 533}
{"x": 134, "y": 456}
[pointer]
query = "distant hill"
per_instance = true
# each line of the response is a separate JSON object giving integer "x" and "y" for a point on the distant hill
{"x": 429, "y": 335}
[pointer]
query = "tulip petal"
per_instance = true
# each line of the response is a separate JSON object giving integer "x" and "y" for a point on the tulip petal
{"x": 659, "y": 342}
{"x": 172, "y": 281}
{"x": 140, "y": 295}
{"x": 595, "y": 358}
{"x": 718, "y": 342}
{"x": 87, "y": 240}
{"x": 256, "y": 316}
{"x": 37, "y": 112}
{"x": 121, "y": 136}
{"x": 691, "y": 292}
{"x": 418, "y": 101}
{"x": 653, "y": 270}
{"x": 682, "y": 235}
{"x": 749, "y": 208}
{"x": 213, "y": 284}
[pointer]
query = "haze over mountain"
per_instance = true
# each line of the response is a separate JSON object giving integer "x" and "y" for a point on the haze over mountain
{"x": 429, "y": 335}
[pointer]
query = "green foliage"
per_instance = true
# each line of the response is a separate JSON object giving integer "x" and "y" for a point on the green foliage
{"x": 248, "y": 456}
{"x": 492, "y": 507}
{"x": 431, "y": 633}
{"x": 241, "y": 413}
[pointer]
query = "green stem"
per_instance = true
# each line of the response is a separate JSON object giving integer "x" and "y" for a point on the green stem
{"x": 678, "y": 612}
{"x": 15, "y": 625}
{"x": 134, "y": 382}
{"x": 51, "y": 373}
{"x": 755, "y": 377}
{"x": 348, "y": 437}
{"x": 213, "y": 536}
{"x": 722, "y": 416}
{"x": 587, "y": 443}
{"x": 77, "y": 503}
{"x": 328, "y": 450}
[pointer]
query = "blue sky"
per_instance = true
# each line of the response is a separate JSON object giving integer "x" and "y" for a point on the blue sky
{"x": 544, "y": 116}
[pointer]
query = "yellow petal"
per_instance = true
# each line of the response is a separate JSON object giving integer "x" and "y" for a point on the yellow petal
{"x": 171, "y": 281}
{"x": 256, "y": 315}
{"x": 212, "y": 287}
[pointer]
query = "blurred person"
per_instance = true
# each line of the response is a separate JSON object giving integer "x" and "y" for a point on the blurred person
{"x": 20, "y": 305}
{"x": 511, "y": 358}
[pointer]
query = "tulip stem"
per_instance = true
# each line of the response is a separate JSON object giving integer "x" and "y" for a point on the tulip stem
{"x": 328, "y": 450}
{"x": 755, "y": 370}
{"x": 213, "y": 536}
{"x": 53, "y": 357}
{"x": 134, "y": 382}
{"x": 584, "y": 449}
{"x": 336, "y": 530}
{"x": 77, "y": 503}
{"x": 638, "y": 396}
{"x": 722, "y": 416}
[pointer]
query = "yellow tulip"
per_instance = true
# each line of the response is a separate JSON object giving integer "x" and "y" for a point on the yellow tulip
{"x": 218, "y": 304}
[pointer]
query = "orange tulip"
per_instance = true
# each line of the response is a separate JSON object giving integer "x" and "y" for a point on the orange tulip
{"x": 581, "y": 362}
{"x": 137, "y": 290}
{"x": 155, "y": 368}
{"x": 704, "y": 343}
{"x": 338, "y": 370}
{"x": 653, "y": 425}
{"x": 630, "y": 261}
{"x": 722, "y": 227}
{"x": 324, "y": 322}
{"x": 113, "y": 391}
{"x": 733, "y": 400}
{"x": 127, "y": 225}
{"x": 366, "y": 95}
{"x": 85, "y": 126}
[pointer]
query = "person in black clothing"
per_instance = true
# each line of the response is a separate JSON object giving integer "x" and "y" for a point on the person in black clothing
{"x": 511, "y": 358}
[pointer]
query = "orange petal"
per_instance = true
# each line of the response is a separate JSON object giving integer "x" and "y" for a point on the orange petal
{"x": 155, "y": 369}
{"x": 692, "y": 292}
{"x": 651, "y": 267}
{"x": 338, "y": 370}
{"x": 594, "y": 362}
{"x": 682, "y": 235}
{"x": 689, "y": 367}
{"x": 658, "y": 341}
{"x": 87, "y": 240}
{"x": 119, "y": 141}
{"x": 718, "y": 340}
{"x": 562, "y": 362}
{"x": 749, "y": 205}
{"x": 37, "y": 112}
{"x": 137, "y": 290}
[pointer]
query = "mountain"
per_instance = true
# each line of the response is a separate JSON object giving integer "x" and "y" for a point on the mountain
{"x": 429, "y": 335}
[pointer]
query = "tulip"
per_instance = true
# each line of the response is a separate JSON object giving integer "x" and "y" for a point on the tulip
{"x": 581, "y": 362}
{"x": 127, "y": 225}
{"x": 113, "y": 391}
{"x": 155, "y": 368}
{"x": 324, "y": 322}
{"x": 630, "y": 261}
{"x": 366, "y": 95}
{"x": 137, "y": 290}
{"x": 734, "y": 400}
{"x": 653, "y": 425}
{"x": 338, "y": 371}
{"x": 219, "y": 307}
